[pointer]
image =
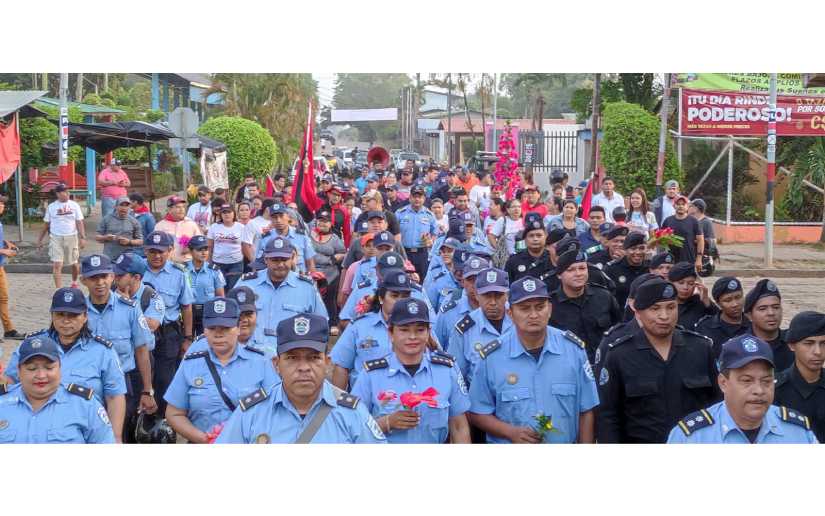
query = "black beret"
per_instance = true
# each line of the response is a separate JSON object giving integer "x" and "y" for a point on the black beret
{"x": 661, "y": 259}
{"x": 651, "y": 292}
{"x": 725, "y": 285}
{"x": 616, "y": 231}
{"x": 641, "y": 278}
{"x": 568, "y": 243}
{"x": 681, "y": 271}
{"x": 806, "y": 324}
{"x": 532, "y": 222}
{"x": 763, "y": 288}
{"x": 633, "y": 239}
{"x": 568, "y": 258}
{"x": 556, "y": 234}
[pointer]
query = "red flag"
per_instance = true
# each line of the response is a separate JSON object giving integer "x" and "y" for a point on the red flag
{"x": 9, "y": 149}
{"x": 587, "y": 199}
{"x": 270, "y": 186}
{"x": 303, "y": 191}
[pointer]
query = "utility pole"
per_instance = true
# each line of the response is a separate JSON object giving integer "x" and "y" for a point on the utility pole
{"x": 771, "y": 174}
{"x": 450, "y": 120}
{"x": 78, "y": 97}
{"x": 660, "y": 164}
{"x": 44, "y": 81}
{"x": 105, "y": 82}
{"x": 594, "y": 126}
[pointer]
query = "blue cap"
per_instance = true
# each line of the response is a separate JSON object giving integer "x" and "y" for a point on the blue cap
{"x": 376, "y": 214}
{"x": 492, "y": 280}
{"x": 604, "y": 227}
{"x": 129, "y": 263}
{"x": 483, "y": 252}
{"x": 221, "y": 311}
{"x": 198, "y": 242}
{"x": 245, "y": 297}
{"x": 160, "y": 240}
{"x": 40, "y": 345}
{"x": 450, "y": 242}
{"x": 384, "y": 238}
{"x": 527, "y": 287}
{"x": 532, "y": 221}
{"x": 303, "y": 331}
{"x": 460, "y": 257}
{"x": 390, "y": 260}
{"x": 95, "y": 264}
{"x": 362, "y": 226}
{"x": 466, "y": 217}
{"x": 474, "y": 265}
{"x": 582, "y": 184}
{"x": 70, "y": 300}
{"x": 457, "y": 230}
{"x": 408, "y": 311}
{"x": 395, "y": 280}
{"x": 278, "y": 247}
{"x": 742, "y": 350}
{"x": 277, "y": 208}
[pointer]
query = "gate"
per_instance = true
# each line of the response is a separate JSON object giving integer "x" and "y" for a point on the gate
{"x": 549, "y": 151}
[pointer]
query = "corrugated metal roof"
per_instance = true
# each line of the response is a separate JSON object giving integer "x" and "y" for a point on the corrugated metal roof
{"x": 86, "y": 109}
{"x": 11, "y": 101}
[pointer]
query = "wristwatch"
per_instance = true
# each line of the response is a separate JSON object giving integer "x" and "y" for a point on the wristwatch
{"x": 150, "y": 392}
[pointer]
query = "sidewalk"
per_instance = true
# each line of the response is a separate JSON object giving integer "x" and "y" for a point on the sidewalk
{"x": 803, "y": 260}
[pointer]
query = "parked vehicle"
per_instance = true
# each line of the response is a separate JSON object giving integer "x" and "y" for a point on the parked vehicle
{"x": 404, "y": 156}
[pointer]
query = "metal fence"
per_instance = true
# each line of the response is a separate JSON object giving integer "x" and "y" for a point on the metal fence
{"x": 546, "y": 151}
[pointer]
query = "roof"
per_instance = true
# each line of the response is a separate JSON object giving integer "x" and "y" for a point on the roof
{"x": 86, "y": 109}
{"x": 11, "y": 101}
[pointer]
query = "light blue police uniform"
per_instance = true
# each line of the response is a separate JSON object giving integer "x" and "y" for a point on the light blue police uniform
{"x": 155, "y": 309}
{"x": 365, "y": 338}
{"x": 194, "y": 390}
{"x": 471, "y": 333}
{"x": 478, "y": 242}
{"x": 438, "y": 285}
{"x": 437, "y": 370}
{"x": 205, "y": 281}
{"x": 514, "y": 387}
{"x": 295, "y": 295}
{"x": 348, "y": 311}
{"x": 714, "y": 425}
{"x": 365, "y": 274}
{"x": 122, "y": 322}
{"x": 271, "y": 418}
{"x": 69, "y": 416}
{"x": 413, "y": 224}
{"x": 91, "y": 362}
{"x": 299, "y": 241}
{"x": 173, "y": 284}
{"x": 450, "y": 313}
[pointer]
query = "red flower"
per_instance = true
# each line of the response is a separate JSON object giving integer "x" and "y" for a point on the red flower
{"x": 387, "y": 396}
{"x": 214, "y": 433}
{"x": 184, "y": 241}
{"x": 364, "y": 305}
{"x": 412, "y": 399}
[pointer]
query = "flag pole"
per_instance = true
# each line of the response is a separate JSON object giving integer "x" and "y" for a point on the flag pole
{"x": 18, "y": 182}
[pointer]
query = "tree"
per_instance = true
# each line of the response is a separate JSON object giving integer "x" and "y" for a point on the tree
{"x": 635, "y": 88}
{"x": 523, "y": 89}
{"x": 250, "y": 147}
{"x": 800, "y": 201}
{"x": 371, "y": 91}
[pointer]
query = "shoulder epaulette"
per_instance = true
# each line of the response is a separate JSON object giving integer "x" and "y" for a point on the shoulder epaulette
{"x": 440, "y": 275}
{"x": 621, "y": 340}
{"x": 612, "y": 329}
{"x": 572, "y": 337}
{"x": 79, "y": 390}
{"x": 415, "y": 286}
{"x": 697, "y": 334}
{"x": 489, "y": 348}
{"x": 179, "y": 266}
{"x": 3, "y": 389}
{"x": 782, "y": 379}
{"x": 441, "y": 358}
{"x": 105, "y": 342}
{"x": 304, "y": 277}
{"x": 254, "y": 350}
{"x": 127, "y": 301}
{"x": 464, "y": 324}
{"x": 695, "y": 421}
{"x": 702, "y": 319}
{"x": 36, "y": 332}
{"x": 793, "y": 416}
{"x": 250, "y": 275}
{"x": 373, "y": 365}
{"x": 449, "y": 305}
{"x": 252, "y": 399}
{"x": 214, "y": 266}
{"x": 348, "y": 400}
{"x": 196, "y": 354}
{"x": 364, "y": 284}
{"x": 613, "y": 262}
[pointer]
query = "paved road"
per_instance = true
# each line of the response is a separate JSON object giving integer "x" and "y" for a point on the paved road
{"x": 31, "y": 296}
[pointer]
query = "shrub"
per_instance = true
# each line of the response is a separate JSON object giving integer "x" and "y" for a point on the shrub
{"x": 250, "y": 147}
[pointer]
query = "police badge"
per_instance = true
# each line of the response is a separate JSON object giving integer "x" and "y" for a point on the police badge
{"x": 412, "y": 307}
{"x": 750, "y": 345}
{"x": 95, "y": 261}
{"x": 156, "y": 239}
{"x": 220, "y": 307}
{"x": 491, "y": 276}
{"x": 301, "y": 326}
{"x": 391, "y": 260}
{"x": 733, "y": 285}
{"x": 668, "y": 291}
{"x": 529, "y": 286}
{"x": 68, "y": 297}
{"x": 242, "y": 297}
{"x": 278, "y": 244}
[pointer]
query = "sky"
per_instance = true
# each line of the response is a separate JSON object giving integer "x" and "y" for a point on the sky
{"x": 326, "y": 86}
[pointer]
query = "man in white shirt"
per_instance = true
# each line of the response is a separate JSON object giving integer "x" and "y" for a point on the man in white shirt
{"x": 254, "y": 229}
{"x": 480, "y": 193}
{"x": 201, "y": 211}
{"x": 608, "y": 198}
{"x": 64, "y": 222}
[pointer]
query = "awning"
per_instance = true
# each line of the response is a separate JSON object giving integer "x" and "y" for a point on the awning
{"x": 11, "y": 101}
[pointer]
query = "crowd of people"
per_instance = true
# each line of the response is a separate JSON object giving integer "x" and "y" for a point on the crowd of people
{"x": 423, "y": 305}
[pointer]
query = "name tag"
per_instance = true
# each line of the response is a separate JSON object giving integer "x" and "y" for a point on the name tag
{"x": 367, "y": 344}
{"x": 270, "y": 332}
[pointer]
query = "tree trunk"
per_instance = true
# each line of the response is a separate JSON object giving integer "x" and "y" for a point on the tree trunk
{"x": 79, "y": 88}
{"x": 105, "y": 82}
{"x": 44, "y": 81}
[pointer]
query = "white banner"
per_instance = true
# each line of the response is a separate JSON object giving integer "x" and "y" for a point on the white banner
{"x": 364, "y": 115}
{"x": 213, "y": 169}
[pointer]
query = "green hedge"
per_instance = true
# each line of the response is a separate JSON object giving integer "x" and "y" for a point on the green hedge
{"x": 630, "y": 149}
{"x": 250, "y": 147}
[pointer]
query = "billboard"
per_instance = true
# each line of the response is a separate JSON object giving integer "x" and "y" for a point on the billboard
{"x": 365, "y": 115}
{"x": 786, "y": 83}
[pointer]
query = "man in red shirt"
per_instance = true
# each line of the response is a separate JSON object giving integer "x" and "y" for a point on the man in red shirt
{"x": 113, "y": 182}
{"x": 531, "y": 202}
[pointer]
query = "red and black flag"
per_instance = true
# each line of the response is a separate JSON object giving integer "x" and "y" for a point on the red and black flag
{"x": 303, "y": 191}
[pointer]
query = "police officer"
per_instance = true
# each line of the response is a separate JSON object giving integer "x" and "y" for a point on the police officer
{"x": 586, "y": 310}
{"x": 484, "y": 324}
{"x": 747, "y": 414}
{"x": 802, "y": 386}
{"x": 248, "y": 319}
{"x": 280, "y": 291}
{"x": 613, "y": 237}
{"x": 652, "y": 378}
{"x": 476, "y": 239}
{"x": 129, "y": 269}
{"x": 730, "y": 321}
{"x": 535, "y": 260}
{"x": 461, "y": 301}
{"x": 300, "y": 242}
{"x": 367, "y": 337}
{"x": 39, "y": 410}
{"x": 206, "y": 278}
{"x": 441, "y": 267}
{"x": 87, "y": 361}
{"x": 533, "y": 370}
{"x": 448, "y": 279}
{"x": 173, "y": 337}
{"x": 661, "y": 264}
{"x": 625, "y": 269}
{"x": 411, "y": 367}
{"x": 304, "y": 407}
{"x": 383, "y": 241}
{"x": 418, "y": 229}
{"x": 215, "y": 374}
{"x": 763, "y": 308}
{"x": 692, "y": 295}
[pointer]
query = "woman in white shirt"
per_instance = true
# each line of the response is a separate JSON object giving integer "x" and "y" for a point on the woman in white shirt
{"x": 442, "y": 222}
{"x": 224, "y": 239}
{"x": 639, "y": 216}
{"x": 510, "y": 226}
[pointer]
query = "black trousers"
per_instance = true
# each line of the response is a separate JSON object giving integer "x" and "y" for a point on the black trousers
{"x": 329, "y": 301}
{"x": 134, "y": 386}
{"x": 197, "y": 319}
{"x": 420, "y": 258}
{"x": 168, "y": 342}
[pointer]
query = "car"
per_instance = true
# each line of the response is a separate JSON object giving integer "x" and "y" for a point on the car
{"x": 482, "y": 161}
{"x": 319, "y": 164}
{"x": 327, "y": 135}
{"x": 404, "y": 156}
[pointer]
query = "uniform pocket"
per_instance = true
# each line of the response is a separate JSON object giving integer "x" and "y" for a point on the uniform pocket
{"x": 696, "y": 382}
{"x": 515, "y": 407}
{"x": 565, "y": 395}
{"x": 70, "y": 434}
{"x": 7, "y": 436}
{"x": 639, "y": 387}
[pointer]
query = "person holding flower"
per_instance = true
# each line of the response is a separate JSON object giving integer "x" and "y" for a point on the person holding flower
{"x": 533, "y": 384}
{"x": 388, "y": 388}
{"x": 180, "y": 227}
{"x": 687, "y": 227}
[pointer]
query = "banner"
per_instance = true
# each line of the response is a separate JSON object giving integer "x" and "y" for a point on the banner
{"x": 9, "y": 149}
{"x": 786, "y": 83}
{"x": 720, "y": 113}
{"x": 364, "y": 115}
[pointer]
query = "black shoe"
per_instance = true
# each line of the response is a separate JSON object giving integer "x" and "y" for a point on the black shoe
{"x": 13, "y": 334}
